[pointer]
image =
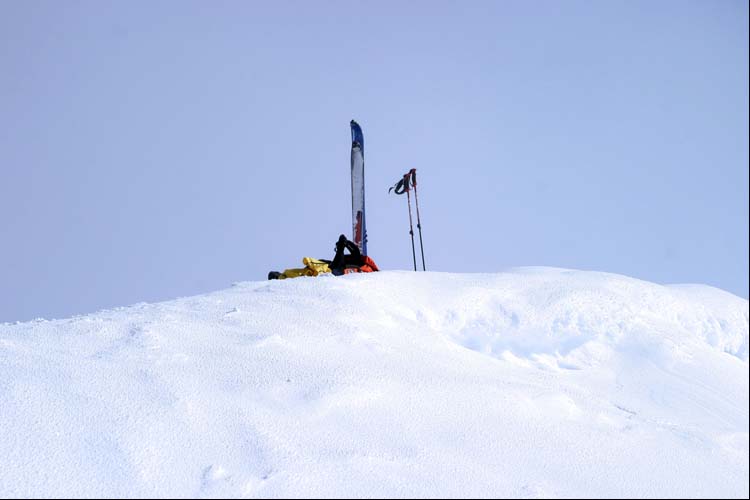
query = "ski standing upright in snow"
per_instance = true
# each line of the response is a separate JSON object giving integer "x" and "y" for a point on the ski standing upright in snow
{"x": 359, "y": 231}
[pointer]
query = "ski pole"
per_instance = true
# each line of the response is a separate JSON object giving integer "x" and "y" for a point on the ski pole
{"x": 411, "y": 227}
{"x": 401, "y": 187}
{"x": 413, "y": 173}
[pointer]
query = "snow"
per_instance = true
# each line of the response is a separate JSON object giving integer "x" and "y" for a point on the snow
{"x": 534, "y": 382}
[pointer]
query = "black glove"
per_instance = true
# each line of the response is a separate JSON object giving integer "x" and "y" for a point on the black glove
{"x": 341, "y": 243}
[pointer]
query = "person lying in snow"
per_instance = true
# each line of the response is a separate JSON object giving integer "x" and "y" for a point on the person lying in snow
{"x": 342, "y": 263}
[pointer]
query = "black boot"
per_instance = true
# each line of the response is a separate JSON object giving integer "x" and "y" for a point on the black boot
{"x": 274, "y": 275}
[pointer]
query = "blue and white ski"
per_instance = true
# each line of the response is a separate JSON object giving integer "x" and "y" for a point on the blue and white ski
{"x": 359, "y": 232}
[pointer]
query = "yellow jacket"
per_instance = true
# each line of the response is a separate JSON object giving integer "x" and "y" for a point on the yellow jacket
{"x": 313, "y": 267}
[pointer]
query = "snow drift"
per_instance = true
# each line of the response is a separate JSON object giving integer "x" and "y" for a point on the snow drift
{"x": 532, "y": 382}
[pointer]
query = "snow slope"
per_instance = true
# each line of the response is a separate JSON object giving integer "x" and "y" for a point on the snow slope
{"x": 535, "y": 382}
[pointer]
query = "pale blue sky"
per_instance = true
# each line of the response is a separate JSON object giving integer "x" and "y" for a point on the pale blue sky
{"x": 150, "y": 150}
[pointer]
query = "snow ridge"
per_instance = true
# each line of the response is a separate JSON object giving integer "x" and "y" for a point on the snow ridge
{"x": 534, "y": 382}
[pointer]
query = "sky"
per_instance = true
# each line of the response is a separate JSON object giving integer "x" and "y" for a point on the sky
{"x": 153, "y": 150}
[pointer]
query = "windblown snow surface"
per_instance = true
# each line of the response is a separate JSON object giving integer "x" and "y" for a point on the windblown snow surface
{"x": 535, "y": 382}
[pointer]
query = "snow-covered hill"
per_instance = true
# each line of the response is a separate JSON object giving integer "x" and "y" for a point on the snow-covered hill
{"x": 535, "y": 382}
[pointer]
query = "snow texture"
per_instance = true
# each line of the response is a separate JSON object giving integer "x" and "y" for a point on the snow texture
{"x": 535, "y": 382}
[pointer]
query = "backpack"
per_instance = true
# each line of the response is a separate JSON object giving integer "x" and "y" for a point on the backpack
{"x": 368, "y": 266}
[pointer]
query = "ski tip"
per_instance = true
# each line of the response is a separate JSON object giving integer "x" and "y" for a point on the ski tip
{"x": 357, "y": 137}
